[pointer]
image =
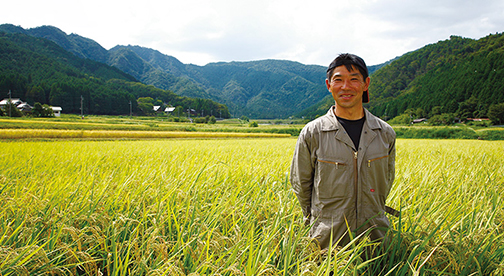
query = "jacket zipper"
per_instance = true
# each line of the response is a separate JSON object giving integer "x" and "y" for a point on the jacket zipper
{"x": 334, "y": 163}
{"x": 356, "y": 188}
{"x": 374, "y": 159}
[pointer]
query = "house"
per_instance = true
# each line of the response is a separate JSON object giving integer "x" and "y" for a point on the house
{"x": 15, "y": 102}
{"x": 422, "y": 120}
{"x": 169, "y": 109}
{"x": 192, "y": 112}
{"x": 57, "y": 110}
{"x": 478, "y": 119}
{"x": 21, "y": 106}
{"x": 25, "y": 107}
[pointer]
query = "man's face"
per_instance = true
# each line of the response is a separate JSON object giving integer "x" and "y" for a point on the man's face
{"x": 347, "y": 87}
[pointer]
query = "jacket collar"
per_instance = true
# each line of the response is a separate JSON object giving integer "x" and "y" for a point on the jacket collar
{"x": 330, "y": 122}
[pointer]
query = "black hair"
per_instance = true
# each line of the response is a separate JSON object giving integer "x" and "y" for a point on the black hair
{"x": 350, "y": 61}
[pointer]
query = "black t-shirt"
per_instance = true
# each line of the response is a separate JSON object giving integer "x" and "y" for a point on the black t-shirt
{"x": 353, "y": 128}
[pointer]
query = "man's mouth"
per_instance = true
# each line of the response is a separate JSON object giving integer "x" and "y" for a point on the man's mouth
{"x": 346, "y": 96}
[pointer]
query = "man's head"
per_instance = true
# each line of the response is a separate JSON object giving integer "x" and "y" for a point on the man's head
{"x": 351, "y": 62}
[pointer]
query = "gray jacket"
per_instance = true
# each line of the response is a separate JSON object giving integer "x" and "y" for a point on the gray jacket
{"x": 337, "y": 184}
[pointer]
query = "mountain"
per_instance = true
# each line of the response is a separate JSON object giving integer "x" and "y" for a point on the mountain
{"x": 39, "y": 70}
{"x": 152, "y": 67}
{"x": 458, "y": 76}
{"x": 258, "y": 89}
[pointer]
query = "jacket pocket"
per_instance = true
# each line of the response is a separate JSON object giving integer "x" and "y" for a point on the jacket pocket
{"x": 332, "y": 179}
{"x": 376, "y": 176}
{"x": 369, "y": 161}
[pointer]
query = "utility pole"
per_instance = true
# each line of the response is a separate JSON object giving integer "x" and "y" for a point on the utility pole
{"x": 10, "y": 102}
{"x": 81, "y": 109}
{"x": 130, "y": 109}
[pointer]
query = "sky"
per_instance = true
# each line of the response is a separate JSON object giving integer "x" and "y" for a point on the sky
{"x": 307, "y": 31}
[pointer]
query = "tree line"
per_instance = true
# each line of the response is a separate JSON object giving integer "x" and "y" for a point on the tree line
{"x": 39, "y": 71}
{"x": 446, "y": 82}
{"x": 458, "y": 78}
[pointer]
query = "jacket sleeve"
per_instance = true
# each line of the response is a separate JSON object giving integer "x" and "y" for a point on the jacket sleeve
{"x": 391, "y": 161}
{"x": 302, "y": 171}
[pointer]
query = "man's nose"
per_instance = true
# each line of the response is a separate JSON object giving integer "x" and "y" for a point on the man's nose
{"x": 346, "y": 84}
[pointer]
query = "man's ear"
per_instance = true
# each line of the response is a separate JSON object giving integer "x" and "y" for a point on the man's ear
{"x": 327, "y": 83}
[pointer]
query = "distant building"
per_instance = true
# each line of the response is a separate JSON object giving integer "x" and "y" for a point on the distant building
{"x": 478, "y": 119}
{"x": 57, "y": 110}
{"x": 422, "y": 120}
{"x": 192, "y": 112}
{"x": 169, "y": 109}
{"x": 24, "y": 107}
{"x": 15, "y": 102}
{"x": 18, "y": 103}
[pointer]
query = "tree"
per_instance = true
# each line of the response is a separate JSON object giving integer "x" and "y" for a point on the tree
{"x": 403, "y": 119}
{"x": 179, "y": 110}
{"x": 40, "y": 110}
{"x": 466, "y": 108}
{"x": 436, "y": 110}
{"x": 420, "y": 113}
{"x": 11, "y": 109}
{"x": 443, "y": 119}
{"x": 146, "y": 104}
{"x": 496, "y": 113}
{"x": 37, "y": 110}
{"x": 36, "y": 94}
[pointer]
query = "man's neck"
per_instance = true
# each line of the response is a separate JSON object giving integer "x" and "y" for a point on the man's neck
{"x": 349, "y": 113}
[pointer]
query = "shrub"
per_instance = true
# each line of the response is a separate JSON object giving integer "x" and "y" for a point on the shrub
{"x": 403, "y": 119}
{"x": 496, "y": 113}
{"x": 443, "y": 119}
{"x": 200, "y": 120}
{"x": 12, "y": 110}
{"x": 40, "y": 110}
{"x": 212, "y": 120}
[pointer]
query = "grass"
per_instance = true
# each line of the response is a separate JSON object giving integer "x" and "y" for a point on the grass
{"x": 224, "y": 207}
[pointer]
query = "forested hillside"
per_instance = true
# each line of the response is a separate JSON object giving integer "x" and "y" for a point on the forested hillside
{"x": 38, "y": 70}
{"x": 459, "y": 75}
{"x": 454, "y": 78}
{"x": 457, "y": 78}
{"x": 260, "y": 89}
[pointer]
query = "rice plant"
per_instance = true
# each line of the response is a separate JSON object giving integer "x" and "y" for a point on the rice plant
{"x": 224, "y": 207}
{"x": 119, "y": 134}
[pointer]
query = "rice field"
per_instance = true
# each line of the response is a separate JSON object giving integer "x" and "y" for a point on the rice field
{"x": 119, "y": 134}
{"x": 224, "y": 207}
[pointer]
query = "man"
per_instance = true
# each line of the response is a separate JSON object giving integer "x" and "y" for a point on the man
{"x": 344, "y": 162}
